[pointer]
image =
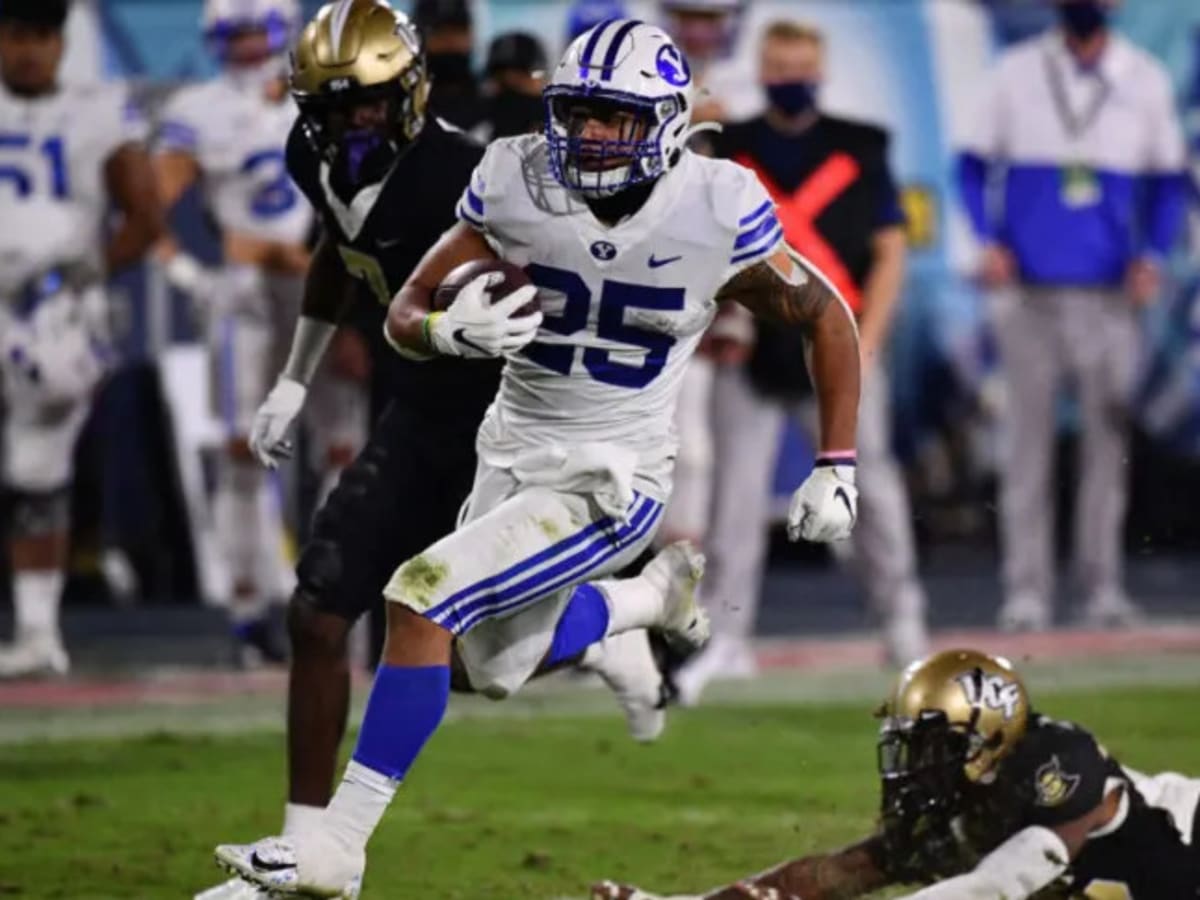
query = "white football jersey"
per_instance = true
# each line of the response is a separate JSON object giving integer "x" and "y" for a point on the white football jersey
{"x": 238, "y": 138}
{"x": 54, "y": 149}
{"x": 624, "y": 306}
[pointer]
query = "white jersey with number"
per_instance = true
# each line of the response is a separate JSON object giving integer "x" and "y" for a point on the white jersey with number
{"x": 625, "y": 306}
{"x": 238, "y": 138}
{"x": 54, "y": 149}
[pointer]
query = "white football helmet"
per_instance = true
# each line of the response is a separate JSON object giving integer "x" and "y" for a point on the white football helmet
{"x": 625, "y": 73}
{"x": 224, "y": 19}
{"x": 45, "y": 238}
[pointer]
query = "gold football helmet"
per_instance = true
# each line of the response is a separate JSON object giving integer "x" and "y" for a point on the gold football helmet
{"x": 359, "y": 78}
{"x": 958, "y": 707}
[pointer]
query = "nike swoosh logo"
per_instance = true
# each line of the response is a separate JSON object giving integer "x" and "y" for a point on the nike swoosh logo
{"x": 387, "y": 245}
{"x": 263, "y": 865}
{"x": 461, "y": 337}
{"x": 840, "y": 494}
{"x": 658, "y": 263}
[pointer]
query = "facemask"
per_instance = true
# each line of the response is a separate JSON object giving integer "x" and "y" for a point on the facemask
{"x": 450, "y": 68}
{"x": 1083, "y": 18}
{"x": 793, "y": 97}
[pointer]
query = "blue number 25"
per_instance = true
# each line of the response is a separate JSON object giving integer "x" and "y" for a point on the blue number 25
{"x": 278, "y": 195}
{"x": 615, "y": 298}
{"x": 18, "y": 173}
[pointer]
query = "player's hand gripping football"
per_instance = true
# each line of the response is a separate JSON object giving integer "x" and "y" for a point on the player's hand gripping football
{"x": 825, "y": 507}
{"x": 475, "y": 327}
{"x": 268, "y": 434}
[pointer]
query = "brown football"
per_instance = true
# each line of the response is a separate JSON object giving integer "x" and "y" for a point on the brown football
{"x": 514, "y": 277}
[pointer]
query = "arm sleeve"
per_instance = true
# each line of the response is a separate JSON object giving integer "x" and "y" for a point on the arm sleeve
{"x": 983, "y": 148}
{"x": 1020, "y": 867}
{"x": 473, "y": 205}
{"x": 178, "y": 128}
{"x": 119, "y": 120}
{"x": 757, "y": 232}
{"x": 1166, "y": 176}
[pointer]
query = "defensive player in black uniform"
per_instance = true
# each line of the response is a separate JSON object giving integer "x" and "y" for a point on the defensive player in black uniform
{"x": 984, "y": 799}
{"x": 386, "y": 178}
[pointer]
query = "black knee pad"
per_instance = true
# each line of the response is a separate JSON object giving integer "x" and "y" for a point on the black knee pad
{"x": 319, "y": 569}
{"x": 35, "y": 514}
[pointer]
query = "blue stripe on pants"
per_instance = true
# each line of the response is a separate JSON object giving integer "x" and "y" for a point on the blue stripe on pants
{"x": 568, "y": 562}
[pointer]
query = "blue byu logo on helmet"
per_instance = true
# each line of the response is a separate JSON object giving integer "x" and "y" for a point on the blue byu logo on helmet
{"x": 672, "y": 66}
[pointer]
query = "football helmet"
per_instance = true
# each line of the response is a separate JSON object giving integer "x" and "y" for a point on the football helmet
{"x": 618, "y": 108}
{"x": 958, "y": 708}
{"x": 360, "y": 80}
{"x": 224, "y": 20}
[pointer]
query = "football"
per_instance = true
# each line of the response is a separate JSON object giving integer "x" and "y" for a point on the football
{"x": 514, "y": 277}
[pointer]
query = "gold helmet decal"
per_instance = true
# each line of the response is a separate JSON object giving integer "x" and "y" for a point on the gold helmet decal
{"x": 354, "y": 52}
{"x": 980, "y": 696}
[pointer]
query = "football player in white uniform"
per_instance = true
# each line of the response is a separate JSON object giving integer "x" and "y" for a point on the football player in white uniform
{"x": 230, "y": 134}
{"x": 632, "y": 240}
{"x": 67, "y": 154}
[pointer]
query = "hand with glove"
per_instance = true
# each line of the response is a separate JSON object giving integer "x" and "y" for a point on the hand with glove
{"x": 476, "y": 328}
{"x": 268, "y": 435}
{"x": 825, "y": 507}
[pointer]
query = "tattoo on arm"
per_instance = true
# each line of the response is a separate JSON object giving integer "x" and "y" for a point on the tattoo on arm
{"x": 767, "y": 291}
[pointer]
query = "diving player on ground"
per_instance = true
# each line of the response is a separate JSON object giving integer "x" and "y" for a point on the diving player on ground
{"x": 633, "y": 240}
{"x": 984, "y": 798}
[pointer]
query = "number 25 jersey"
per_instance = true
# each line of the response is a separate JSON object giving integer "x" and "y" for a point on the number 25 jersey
{"x": 625, "y": 306}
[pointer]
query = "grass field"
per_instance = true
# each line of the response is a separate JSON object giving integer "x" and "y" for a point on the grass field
{"x": 504, "y": 807}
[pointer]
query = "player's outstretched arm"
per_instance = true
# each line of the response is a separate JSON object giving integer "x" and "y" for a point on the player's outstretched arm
{"x": 405, "y": 327}
{"x": 129, "y": 178}
{"x": 786, "y": 288}
{"x": 853, "y": 871}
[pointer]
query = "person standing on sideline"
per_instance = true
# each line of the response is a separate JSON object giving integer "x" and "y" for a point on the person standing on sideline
{"x": 1079, "y": 135}
{"x": 828, "y": 177}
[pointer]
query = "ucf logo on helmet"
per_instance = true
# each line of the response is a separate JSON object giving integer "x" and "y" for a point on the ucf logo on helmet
{"x": 991, "y": 691}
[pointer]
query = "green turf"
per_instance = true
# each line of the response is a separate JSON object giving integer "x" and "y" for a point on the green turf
{"x": 502, "y": 808}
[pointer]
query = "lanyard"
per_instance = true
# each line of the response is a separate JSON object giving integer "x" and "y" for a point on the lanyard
{"x": 1074, "y": 125}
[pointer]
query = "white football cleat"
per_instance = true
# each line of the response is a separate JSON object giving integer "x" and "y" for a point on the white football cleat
{"x": 311, "y": 864}
{"x": 676, "y": 573}
{"x": 32, "y": 655}
{"x": 233, "y": 889}
{"x": 626, "y": 663}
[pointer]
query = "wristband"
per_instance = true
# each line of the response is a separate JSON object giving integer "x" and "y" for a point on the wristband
{"x": 427, "y": 328}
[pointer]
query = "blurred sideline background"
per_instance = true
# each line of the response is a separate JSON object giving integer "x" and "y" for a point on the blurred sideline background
{"x": 141, "y": 560}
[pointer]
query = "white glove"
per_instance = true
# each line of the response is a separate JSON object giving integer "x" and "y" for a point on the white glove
{"x": 476, "y": 328}
{"x": 273, "y": 419}
{"x": 201, "y": 283}
{"x": 825, "y": 507}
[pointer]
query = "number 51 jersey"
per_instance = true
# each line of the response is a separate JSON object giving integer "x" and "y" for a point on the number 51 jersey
{"x": 625, "y": 306}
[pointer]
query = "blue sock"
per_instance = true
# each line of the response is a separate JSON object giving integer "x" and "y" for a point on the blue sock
{"x": 404, "y": 710}
{"x": 583, "y": 622}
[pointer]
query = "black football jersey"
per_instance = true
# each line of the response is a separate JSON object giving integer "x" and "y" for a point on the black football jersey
{"x": 382, "y": 233}
{"x": 1059, "y": 773}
